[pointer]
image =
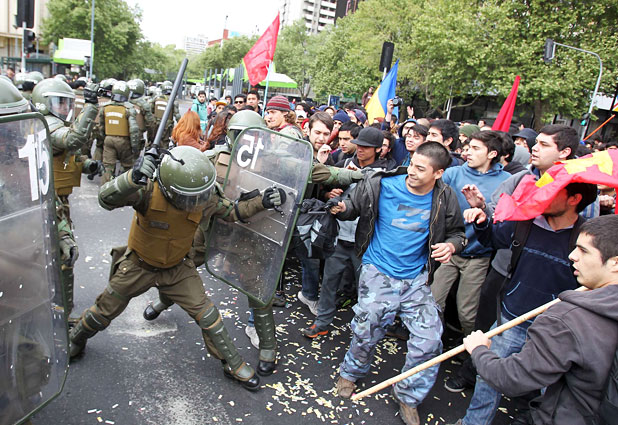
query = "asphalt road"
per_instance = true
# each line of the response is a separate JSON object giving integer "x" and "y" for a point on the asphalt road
{"x": 139, "y": 372}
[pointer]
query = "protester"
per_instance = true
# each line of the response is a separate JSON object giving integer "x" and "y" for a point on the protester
{"x": 484, "y": 170}
{"x": 387, "y": 146}
{"x": 219, "y": 129}
{"x": 253, "y": 100}
{"x": 240, "y": 101}
{"x": 446, "y": 133}
{"x": 281, "y": 118}
{"x": 399, "y": 221}
{"x": 525, "y": 138}
{"x": 188, "y": 132}
{"x": 199, "y": 106}
{"x": 413, "y": 139}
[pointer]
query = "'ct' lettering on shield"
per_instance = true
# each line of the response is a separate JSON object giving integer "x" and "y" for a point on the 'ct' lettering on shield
{"x": 248, "y": 154}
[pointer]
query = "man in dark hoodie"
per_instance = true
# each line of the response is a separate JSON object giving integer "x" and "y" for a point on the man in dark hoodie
{"x": 540, "y": 275}
{"x": 570, "y": 347}
{"x": 446, "y": 133}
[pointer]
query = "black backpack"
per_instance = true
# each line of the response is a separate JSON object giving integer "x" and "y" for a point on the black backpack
{"x": 316, "y": 229}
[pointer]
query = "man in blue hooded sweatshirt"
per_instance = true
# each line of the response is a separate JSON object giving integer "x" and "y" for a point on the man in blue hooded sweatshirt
{"x": 483, "y": 169}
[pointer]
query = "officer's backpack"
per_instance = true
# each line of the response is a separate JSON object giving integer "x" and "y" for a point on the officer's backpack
{"x": 316, "y": 229}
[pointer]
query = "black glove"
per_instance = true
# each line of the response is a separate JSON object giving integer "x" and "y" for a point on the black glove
{"x": 273, "y": 197}
{"x": 90, "y": 93}
{"x": 145, "y": 166}
{"x": 96, "y": 168}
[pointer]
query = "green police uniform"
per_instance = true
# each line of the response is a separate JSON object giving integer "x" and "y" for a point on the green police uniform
{"x": 54, "y": 99}
{"x": 158, "y": 105}
{"x": 160, "y": 253}
{"x": 122, "y": 134}
{"x": 146, "y": 121}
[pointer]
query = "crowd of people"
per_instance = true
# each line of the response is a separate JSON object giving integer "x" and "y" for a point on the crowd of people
{"x": 414, "y": 201}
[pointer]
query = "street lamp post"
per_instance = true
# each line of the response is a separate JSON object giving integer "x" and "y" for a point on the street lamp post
{"x": 548, "y": 55}
{"x": 91, "y": 39}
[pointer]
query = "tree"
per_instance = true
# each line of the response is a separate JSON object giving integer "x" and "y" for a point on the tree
{"x": 217, "y": 57}
{"x": 295, "y": 55}
{"x": 116, "y": 31}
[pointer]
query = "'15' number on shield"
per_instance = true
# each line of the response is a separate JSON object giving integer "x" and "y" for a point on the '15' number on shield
{"x": 243, "y": 157}
{"x": 38, "y": 164}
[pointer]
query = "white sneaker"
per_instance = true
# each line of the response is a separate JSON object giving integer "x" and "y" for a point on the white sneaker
{"x": 313, "y": 305}
{"x": 253, "y": 336}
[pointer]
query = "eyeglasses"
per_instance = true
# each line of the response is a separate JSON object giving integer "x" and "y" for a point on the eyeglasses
{"x": 239, "y": 101}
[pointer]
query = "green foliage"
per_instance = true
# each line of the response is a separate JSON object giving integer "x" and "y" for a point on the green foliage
{"x": 469, "y": 48}
{"x": 116, "y": 31}
{"x": 217, "y": 57}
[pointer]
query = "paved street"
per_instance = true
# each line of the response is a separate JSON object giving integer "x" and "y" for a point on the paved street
{"x": 139, "y": 372}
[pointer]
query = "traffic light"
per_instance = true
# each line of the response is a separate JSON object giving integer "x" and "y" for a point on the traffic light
{"x": 25, "y": 13}
{"x": 29, "y": 42}
{"x": 585, "y": 119}
{"x": 550, "y": 49}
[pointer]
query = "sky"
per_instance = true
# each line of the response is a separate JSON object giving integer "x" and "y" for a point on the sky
{"x": 167, "y": 22}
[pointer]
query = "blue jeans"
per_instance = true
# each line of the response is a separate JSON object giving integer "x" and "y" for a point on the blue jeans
{"x": 380, "y": 299}
{"x": 310, "y": 274}
{"x": 486, "y": 399}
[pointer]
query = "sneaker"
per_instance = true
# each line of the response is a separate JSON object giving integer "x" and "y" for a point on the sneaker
{"x": 457, "y": 384}
{"x": 408, "y": 414}
{"x": 313, "y": 305}
{"x": 253, "y": 336}
{"x": 279, "y": 299}
{"x": 345, "y": 387}
{"x": 313, "y": 331}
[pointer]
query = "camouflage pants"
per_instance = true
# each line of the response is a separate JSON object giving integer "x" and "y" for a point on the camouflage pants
{"x": 380, "y": 299}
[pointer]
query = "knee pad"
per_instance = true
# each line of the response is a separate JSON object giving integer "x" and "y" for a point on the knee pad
{"x": 209, "y": 318}
{"x": 95, "y": 321}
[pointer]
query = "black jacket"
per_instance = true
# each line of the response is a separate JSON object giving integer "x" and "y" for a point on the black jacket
{"x": 445, "y": 223}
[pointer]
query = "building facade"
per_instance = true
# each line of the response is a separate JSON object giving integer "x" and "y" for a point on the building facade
{"x": 316, "y": 14}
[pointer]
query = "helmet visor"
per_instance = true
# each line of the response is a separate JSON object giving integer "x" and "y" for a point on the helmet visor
{"x": 62, "y": 107}
{"x": 190, "y": 201}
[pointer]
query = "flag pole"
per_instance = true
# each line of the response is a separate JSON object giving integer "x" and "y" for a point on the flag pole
{"x": 270, "y": 65}
{"x": 460, "y": 349}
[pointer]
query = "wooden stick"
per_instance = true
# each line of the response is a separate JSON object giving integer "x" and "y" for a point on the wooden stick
{"x": 460, "y": 349}
{"x": 600, "y": 127}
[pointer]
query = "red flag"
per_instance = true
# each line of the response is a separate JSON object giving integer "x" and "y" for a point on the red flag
{"x": 259, "y": 57}
{"x": 532, "y": 197}
{"x": 503, "y": 121}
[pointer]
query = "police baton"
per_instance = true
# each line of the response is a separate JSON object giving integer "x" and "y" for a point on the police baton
{"x": 460, "y": 349}
{"x": 154, "y": 150}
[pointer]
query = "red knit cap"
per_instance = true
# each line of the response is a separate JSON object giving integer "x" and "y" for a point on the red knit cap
{"x": 279, "y": 103}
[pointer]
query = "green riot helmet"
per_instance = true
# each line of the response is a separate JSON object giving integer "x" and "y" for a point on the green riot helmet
{"x": 19, "y": 80}
{"x": 107, "y": 85}
{"x": 166, "y": 87}
{"x": 187, "y": 186}
{"x": 120, "y": 92}
{"x": 54, "y": 96}
{"x": 11, "y": 100}
{"x": 61, "y": 77}
{"x": 137, "y": 88}
{"x": 152, "y": 91}
{"x": 242, "y": 120}
{"x": 32, "y": 79}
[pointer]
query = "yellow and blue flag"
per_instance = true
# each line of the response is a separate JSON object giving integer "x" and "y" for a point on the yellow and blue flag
{"x": 376, "y": 107}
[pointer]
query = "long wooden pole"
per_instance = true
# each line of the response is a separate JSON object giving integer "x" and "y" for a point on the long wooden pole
{"x": 460, "y": 349}
{"x": 600, "y": 127}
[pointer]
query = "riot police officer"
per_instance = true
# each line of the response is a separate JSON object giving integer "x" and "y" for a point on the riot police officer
{"x": 55, "y": 100}
{"x": 168, "y": 210}
{"x": 158, "y": 105}
{"x": 98, "y": 132}
{"x": 122, "y": 136}
{"x": 146, "y": 121}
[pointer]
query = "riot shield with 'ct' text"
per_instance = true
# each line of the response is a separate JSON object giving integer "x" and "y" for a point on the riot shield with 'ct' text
{"x": 249, "y": 256}
{"x": 33, "y": 332}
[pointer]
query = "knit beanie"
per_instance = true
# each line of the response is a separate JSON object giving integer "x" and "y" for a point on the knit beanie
{"x": 279, "y": 103}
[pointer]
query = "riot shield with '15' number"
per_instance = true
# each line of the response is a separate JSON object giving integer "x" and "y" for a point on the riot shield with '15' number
{"x": 249, "y": 256}
{"x": 33, "y": 333}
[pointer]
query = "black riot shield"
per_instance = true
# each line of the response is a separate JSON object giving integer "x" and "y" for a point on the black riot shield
{"x": 33, "y": 332}
{"x": 249, "y": 256}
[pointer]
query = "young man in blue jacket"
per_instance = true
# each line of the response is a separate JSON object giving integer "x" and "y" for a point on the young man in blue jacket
{"x": 484, "y": 170}
{"x": 200, "y": 106}
{"x": 409, "y": 220}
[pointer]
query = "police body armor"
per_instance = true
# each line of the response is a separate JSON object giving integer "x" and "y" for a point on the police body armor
{"x": 160, "y": 103}
{"x": 164, "y": 235}
{"x": 79, "y": 102}
{"x": 116, "y": 120}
